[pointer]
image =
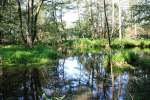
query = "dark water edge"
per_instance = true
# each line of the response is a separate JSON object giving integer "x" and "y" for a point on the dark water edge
{"x": 84, "y": 76}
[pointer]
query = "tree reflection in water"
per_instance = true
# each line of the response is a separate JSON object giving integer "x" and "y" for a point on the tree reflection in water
{"x": 87, "y": 72}
{"x": 20, "y": 83}
{"x": 139, "y": 84}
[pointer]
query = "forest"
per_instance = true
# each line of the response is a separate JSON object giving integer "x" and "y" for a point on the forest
{"x": 74, "y": 49}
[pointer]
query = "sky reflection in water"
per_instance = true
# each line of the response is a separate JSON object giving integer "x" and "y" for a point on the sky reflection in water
{"x": 74, "y": 71}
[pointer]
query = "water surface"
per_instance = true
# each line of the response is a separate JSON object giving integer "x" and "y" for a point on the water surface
{"x": 86, "y": 76}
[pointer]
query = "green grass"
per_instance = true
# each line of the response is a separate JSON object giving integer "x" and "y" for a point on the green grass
{"x": 130, "y": 43}
{"x": 86, "y": 43}
{"x": 128, "y": 58}
{"x": 115, "y": 43}
{"x": 17, "y": 54}
{"x": 136, "y": 57}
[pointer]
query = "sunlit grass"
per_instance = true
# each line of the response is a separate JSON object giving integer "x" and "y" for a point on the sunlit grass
{"x": 17, "y": 54}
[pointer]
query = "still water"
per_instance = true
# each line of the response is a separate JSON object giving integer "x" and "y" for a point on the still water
{"x": 87, "y": 76}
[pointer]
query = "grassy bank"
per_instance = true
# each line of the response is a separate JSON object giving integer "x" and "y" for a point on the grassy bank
{"x": 135, "y": 57}
{"x": 115, "y": 43}
{"x": 17, "y": 54}
{"x": 42, "y": 54}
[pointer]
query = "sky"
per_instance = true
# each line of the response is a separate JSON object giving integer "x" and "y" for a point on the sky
{"x": 70, "y": 17}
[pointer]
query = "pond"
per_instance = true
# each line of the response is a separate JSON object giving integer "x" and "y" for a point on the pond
{"x": 103, "y": 75}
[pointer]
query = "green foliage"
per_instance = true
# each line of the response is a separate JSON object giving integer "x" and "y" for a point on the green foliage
{"x": 83, "y": 29}
{"x": 8, "y": 21}
{"x": 141, "y": 12}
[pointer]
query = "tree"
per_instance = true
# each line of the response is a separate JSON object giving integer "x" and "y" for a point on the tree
{"x": 28, "y": 28}
{"x": 54, "y": 25}
{"x": 8, "y": 20}
{"x": 141, "y": 14}
{"x": 92, "y": 20}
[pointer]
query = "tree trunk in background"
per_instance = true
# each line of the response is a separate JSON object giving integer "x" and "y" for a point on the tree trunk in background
{"x": 62, "y": 25}
{"x": 101, "y": 19}
{"x": 113, "y": 16}
{"x": 135, "y": 29}
{"x": 120, "y": 20}
{"x": 20, "y": 18}
{"x": 107, "y": 25}
{"x": 78, "y": 7}
{"x": 98, "y": 17}
{"x": 91, "y": 19}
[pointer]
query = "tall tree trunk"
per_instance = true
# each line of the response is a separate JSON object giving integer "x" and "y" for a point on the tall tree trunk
{"x": 29, "y": 31}
{"x": 120, "y": 20}
{"x": 101, "y": 20}
{"x": 91, "y": 19}
{"x": 98, "y": 18}
{"x": 113, "y": 16}
{"x": 107, "y": 25}
{"x": 21, "y": 24}
{"x": 78, "y": 7}
{"x": 35, "y": 18}
{"x": 135, "y": 29}
{"x": 62, "y": 25}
